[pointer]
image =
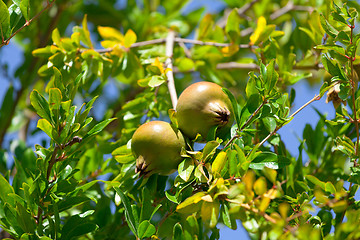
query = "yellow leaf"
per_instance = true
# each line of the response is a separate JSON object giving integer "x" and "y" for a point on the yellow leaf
{"x": 218, "y": 163}
{"x": 207, "y": 198}
{"x": 90, "y": 54}
{"x": 264, "y": 204}
{"x": 108, "y": 43}
{"x": 272, "y": 193}
{"x": 130, "y": 38}
{"x": 191, "y": 204}
{"x": 260, "y": 186}
{"x": 248, "y": 180}
{"x": 261, "y": 24}
{"x": 45, "y": 126}
{"x": 210, "y": 212}
{"x": 111, "y": 33}
{"x": 284, "y": 209}
{"x": 229, "y": 50}
{"x": 158, "y": 64}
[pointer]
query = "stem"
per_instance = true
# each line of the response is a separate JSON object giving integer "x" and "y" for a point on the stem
{"x": 27, "y": 23}
{"x": 289, "y": 7}
{"x": 245, "y": 124}
{"x": 353, "y": 88}
{"x": 168, "y": 64}
{"x": 316, "y": 98}
{"x": 177, "y": 40}
{"x": 52, "y": 162}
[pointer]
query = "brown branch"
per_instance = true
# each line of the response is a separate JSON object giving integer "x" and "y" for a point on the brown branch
{"x": 253, "y": 66}
{"x": 289, "y": 7}
{"x": 316, "y": 98}
{"x": 169, "y": 66}
{"x": 177, "y": 40}
{"x": 27, "y": 23}
{"x": 257, "y": 211}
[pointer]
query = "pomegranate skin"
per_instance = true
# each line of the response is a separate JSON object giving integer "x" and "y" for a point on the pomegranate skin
{"x": 157, "y": 148}
{"x": 202, "y": 106}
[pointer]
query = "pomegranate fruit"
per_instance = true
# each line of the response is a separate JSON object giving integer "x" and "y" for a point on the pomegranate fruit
{"x": 157, "y": 148}
{"x": 202, "y": 106}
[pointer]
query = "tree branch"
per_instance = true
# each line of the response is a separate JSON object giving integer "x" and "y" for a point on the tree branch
{"x": 27, "y": 23}
{"x": 316, "y": 98}
{"x": 168, "y": 64}
{"x": 289, "y": 7}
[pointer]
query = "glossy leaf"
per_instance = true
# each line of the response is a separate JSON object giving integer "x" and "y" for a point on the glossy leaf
{"x": 185, "y": 169}
{"x": 146, "y": 229}
{"x": 41, "y": 105}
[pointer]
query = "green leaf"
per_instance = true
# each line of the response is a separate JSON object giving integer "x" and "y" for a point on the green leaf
{"x": 177, "y": 232}
{"x": 226, "y": 218}
{"x": 156, "y": 81}
{"x": 77, "y": 225}
{"x": 99, "y": 127}
{"x": 128, "y": 212}
{"x": 85, "y": 37}
{"x": 270, "y": 76}
{"x": 270, "y": 123}
{"x": 185, "y": 64}
{"x": 172, "y": 198}
{"x": 329, "y": 187}
{"x": 146, "y": 229}
{"x": 331, "y": 67}
{"x": 335, "y": 48}
{"x": 123, "y": 154}
{"x": 56, "y": 37}
{"x": 232, "y": 27}
{"x": 315, "y": 181}
{"x": 209, "y": 150}
{"x": 269, "y": 160}
{"x": 4, "y": 20}
{"x": 185, "y": 169}
{"x": 6, "y": 106}
{"x": 25, "y": 9}
{"x": 329, "y": 29}
{"x": 235, "y": 106}
{"x": 24, "y": 219}
{"x": 6, "y": 189}
{"x": 251, "y": 85}
{"x": 55, "y": 98}
{"x": 339, "y": 18}
{"x": 41, "y": 105}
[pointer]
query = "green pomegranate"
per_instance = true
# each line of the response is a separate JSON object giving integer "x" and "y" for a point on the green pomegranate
{"x": 202, "y": 106}
{"x": 157, "y": 148}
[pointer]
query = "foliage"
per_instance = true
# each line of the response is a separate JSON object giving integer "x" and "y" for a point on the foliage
{"x": 79, "y": 180}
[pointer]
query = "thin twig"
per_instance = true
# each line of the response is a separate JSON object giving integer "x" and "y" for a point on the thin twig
{"x": 253, "y": 66}
{"x": 289, "y": 7}
{"x": 168, "y": 64}
{"x": 186, "y": 50}
{"x": 317, "y": 97}
{"x": 241, "y": 11}
{"x": 27, "y": 23}
{"x": 177, "y": 40}
{"x": 245, "y": 124}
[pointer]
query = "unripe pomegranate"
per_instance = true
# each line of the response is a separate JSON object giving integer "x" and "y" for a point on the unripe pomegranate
{"x": 201, "y": 106}
{"x": 157, "y": 148}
